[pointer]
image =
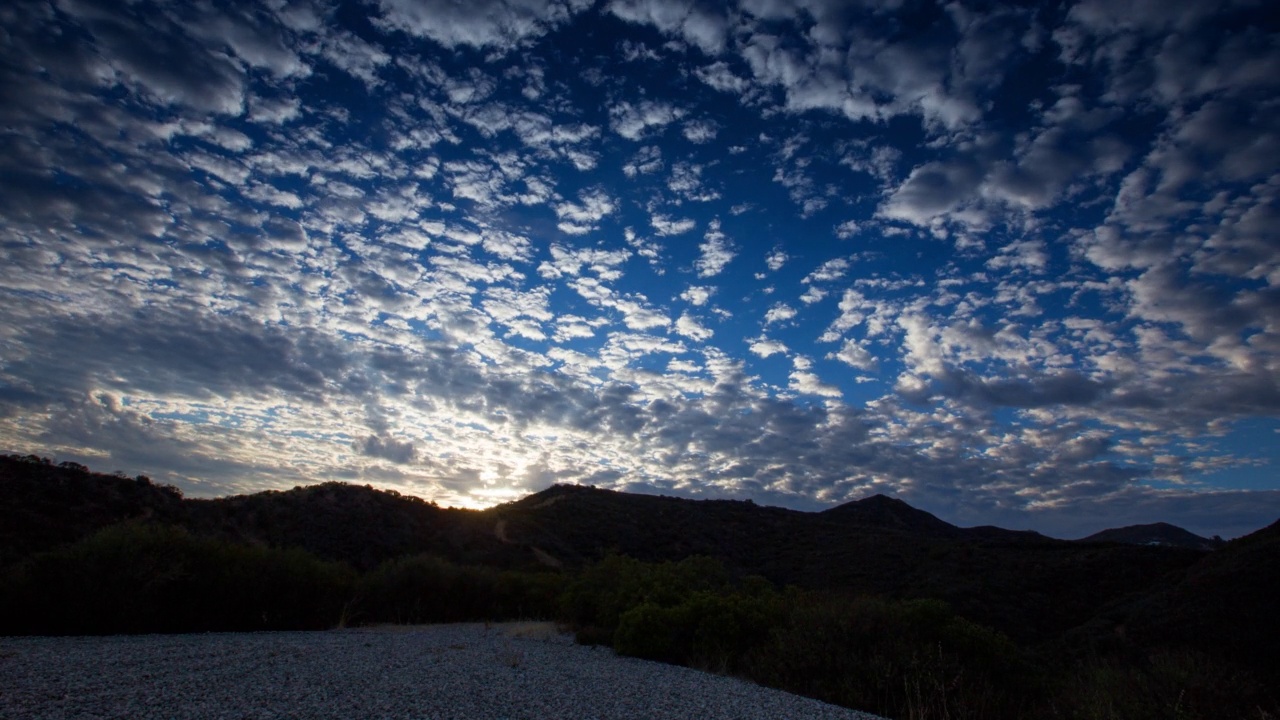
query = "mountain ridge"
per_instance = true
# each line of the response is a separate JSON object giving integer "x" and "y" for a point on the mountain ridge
{"x": 1159, "y": 533}
{"x": 1027, "y": 585}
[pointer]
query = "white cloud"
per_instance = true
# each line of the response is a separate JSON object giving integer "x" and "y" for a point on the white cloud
{"x": 764, "y": 347}
{"x": 856, "y": 355}
{"x": 689, "y": 327}
{"x": 572, "y": 261}
{"x": 647, "y": 160}
{"x": 829, "y": 271}
{"x": 847, "y": 229}
{"x": 716, "y": 251}
{"x": 686, "y": 181}
{"x": 570, "y": 327}
{"x": 932, "y": 190}
{"x": 666, "y": 226}
{"x": 809, "y": 383}
{"x": 584, "y": 216}
{"x": 501, "y": 24}
{"x": 812, "y": 295}
{"x": 703, "y": 27}
{"x": 697, "y": 295}
{"x": 634, "y": 120}
{"x": 719, "y": 76}
{"x": 779, "y": 313}
{"x": 1025, "y": 254}
{"x": 700, "y": 131}
{"x": 776, "y": 259}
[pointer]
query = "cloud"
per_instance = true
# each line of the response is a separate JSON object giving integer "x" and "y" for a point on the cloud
{"x": 152, "y": 55}
{"x": 647, "y": 160}
{"x": 692, "y": 329}
{"x": 808, "y": 383}
{"x": 779, "y": 313}
{"x": 665, "y": 226}
{"x": 932, "y": 190}
{"x": 855, "y": 354}
{"x": 686, "y": 181}
{"x": 716, "y": 251}
{"x": 634, "y": 120}
{"x": 584, "y": 216}
{"x": 697, "y": 295}
{"x": 288, "y": 245}
{"x": 702, "y": 26}
{"x": 776, "y": 259}
{"x": 500, "y": 24}
{"x": 1024, "y": 254}
{"x": 764, "y": 347}
{"x": 396, "y": 451}
{"x": 829, "y": 271}
{"x": 700, "y": 131}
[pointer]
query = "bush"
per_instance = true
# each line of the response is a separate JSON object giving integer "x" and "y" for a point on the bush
{"x": 1165, "y": 685}
{"x": 597, "y": 599}
{"x": 706, "y": 630}
{"x": 136, "y": 578}
{"x": 907, "y": 659}
{"x": 427, "y": 589}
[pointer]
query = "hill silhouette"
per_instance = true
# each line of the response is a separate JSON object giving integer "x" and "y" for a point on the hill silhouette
{"x": 889, "y": 513}
{"x": 1154, "y": 534}
{"x": 1035, "y": 589}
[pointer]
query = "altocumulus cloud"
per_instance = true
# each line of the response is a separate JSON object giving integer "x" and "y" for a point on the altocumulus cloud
{"x": 797, "y": 251}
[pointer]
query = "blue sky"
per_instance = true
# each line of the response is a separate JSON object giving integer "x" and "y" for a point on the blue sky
{"x": 1016, "y": 264}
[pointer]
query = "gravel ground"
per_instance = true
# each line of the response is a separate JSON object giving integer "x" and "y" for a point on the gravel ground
{"x": 442, "y": 671}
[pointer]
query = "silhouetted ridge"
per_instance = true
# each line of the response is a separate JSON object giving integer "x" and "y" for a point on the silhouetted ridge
{"x": 885, "y": 512}
{"x": 1026, "y": 585}
{"x": 1153, "y": 534}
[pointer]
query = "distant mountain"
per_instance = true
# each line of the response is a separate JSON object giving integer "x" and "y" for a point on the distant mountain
{"x": 889, "y": 513}
{"x": 1032, "y": 587}
{"x": 45, "y": 505}
{"x": 1224, "y": 603}
{"x": 1162, "y": 534}
{"x": 1028, "y": 585}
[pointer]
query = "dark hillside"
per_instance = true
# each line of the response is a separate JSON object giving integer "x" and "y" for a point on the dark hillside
{"x": 356, "y": 524}
{"x": 43, "y": 506}
{"x": 1223, "y": 604}
{"x": 1029, "y": 586}
{"x": 889, "y": 513}
{"x": 1153, "y": 534}
{"x": 1025, "y": 584}
{"x": 1024, "y": 621}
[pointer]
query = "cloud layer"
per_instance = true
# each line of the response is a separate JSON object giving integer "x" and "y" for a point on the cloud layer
{"x": 795, "y": 250}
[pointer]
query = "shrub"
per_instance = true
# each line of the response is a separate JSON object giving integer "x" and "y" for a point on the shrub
{"x": 136, "y": 578}
{"x": 705, "y": 630}
{"x": 908, "y": 659}
{"x": 1165, "y": 685}
{"x": 603, "y": 592}
{"x": 426, "y": 589}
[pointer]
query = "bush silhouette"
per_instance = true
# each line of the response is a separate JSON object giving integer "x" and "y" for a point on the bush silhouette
{"x": 427, "y": 589}
{"x": 137, "y": 578}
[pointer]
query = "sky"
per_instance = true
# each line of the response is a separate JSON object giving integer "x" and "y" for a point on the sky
{"x": 1014, "y": 264}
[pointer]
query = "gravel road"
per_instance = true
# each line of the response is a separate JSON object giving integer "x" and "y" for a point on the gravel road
{"x": 424, "y": 672}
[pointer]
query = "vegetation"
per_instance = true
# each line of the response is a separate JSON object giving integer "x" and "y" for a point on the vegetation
{"x": 904, "y": 615}
{"x": 427, "y": 589}
{"x": 136, "y": 578}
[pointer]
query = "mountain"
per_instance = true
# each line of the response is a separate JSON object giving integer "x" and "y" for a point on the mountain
{"x": 43, "y": 506}
{"x": 885, "y": 512}
{"x": 1153, "y": 534}
{"x": 1032, "y": 587}
{"x": 1025, "y": 584}
{"x": 1224, "y": 603}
